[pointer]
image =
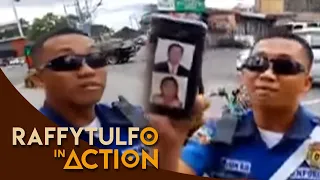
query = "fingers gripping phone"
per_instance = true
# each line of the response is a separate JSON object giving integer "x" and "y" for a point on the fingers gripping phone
{"x": 175, "y": 58}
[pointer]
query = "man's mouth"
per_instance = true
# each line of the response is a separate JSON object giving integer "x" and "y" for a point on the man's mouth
{"x": 91, "y": 86}
{"x": 266, "y": 89}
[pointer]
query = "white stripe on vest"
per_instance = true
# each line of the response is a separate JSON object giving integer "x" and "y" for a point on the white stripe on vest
{"x": 297, "y": 158}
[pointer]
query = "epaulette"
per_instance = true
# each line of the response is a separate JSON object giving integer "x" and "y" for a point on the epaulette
{"x": 134, "y": 114}
{"x": 316, "y": 119}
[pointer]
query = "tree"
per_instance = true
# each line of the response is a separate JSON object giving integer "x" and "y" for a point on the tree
{"x": 46, "y": 24}
{"x": 50, "y": 21}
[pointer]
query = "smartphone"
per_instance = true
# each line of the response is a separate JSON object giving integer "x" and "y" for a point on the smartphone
{"x": 175, "y": 48}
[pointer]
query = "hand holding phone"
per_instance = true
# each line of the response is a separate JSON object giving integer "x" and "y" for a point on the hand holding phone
{"x": 176, "y": 48}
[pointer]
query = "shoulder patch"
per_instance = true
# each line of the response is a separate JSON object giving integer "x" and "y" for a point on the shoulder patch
{"x": 205, "y": 134}
{"x": 317, "y": 120}
{"x": 314, "y": 117}
{"x": 313, "y": 157}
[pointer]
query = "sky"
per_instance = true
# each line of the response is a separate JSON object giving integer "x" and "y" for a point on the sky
{"x": 113, "y": 13}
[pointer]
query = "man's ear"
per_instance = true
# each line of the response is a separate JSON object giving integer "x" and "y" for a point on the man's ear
{"x": 240, "y": 76}
{"x": 307, "y": 84}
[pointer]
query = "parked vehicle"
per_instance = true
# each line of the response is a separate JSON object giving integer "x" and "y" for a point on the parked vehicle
{"x": 246, "y": 40}
{"x": 230, "y": 42}
{"x": 117, "y": 51}
{"x": 312, "y": 35}
{"x": 141, "y": 40}
{"x": 4, "y": 62}
{"x": 292, "y": 26}
{"x": 16, "y": 61}
{"x": 11, "y": 62}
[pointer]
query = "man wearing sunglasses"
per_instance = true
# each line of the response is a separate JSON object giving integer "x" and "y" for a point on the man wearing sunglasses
{"x": 274, "y": 140}
{"x": 73, "y": 75}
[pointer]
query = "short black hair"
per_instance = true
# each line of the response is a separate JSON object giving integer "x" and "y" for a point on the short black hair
{"x": 167, "y": 79}
{"x": 282, "y": 32}
{"x": 38, "y": 44}
{"x": 175, "y": 45}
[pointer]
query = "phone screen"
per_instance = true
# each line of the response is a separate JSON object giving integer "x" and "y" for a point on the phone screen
{"x": 175, "y": 66}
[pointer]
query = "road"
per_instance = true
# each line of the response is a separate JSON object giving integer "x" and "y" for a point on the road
{"x": 15, "y": 74}
{"x": 127, "y": 79}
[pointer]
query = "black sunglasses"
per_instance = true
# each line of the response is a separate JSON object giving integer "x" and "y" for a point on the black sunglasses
{"x": 279, "y": 66}
{"x": 75, "y": 62}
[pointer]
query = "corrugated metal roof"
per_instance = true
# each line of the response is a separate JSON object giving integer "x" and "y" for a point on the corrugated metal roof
{"x": 11, "y": 39}
{"x": 8, "y": 23}
{"x": 254, "y": 15}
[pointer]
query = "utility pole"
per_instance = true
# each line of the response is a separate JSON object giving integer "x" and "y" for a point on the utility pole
{"x": 65, "y": 8}
{"x": 85, "y": 14}
{"x": 88, "y": 21}
{"x": 88, "y": 14}
{"x": 17, "y": 18}
{"x": 66, "y": 12}
{"x": 79, "y": 14}
{"x": 78, "y": 11}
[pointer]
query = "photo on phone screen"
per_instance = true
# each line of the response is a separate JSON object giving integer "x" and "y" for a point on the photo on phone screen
{"x": 168, "y": 90}
{"x": 171, "y": 69}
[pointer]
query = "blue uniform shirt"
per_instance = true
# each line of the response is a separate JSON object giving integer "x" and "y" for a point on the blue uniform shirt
{"x": 108, "y": 117}
{"x": 249, "y": 156}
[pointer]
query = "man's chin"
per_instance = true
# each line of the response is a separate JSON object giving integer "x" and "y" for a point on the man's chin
{"x": 88, "y": 101}
{"x": 263, "y": 103}
{"x": 269, "y": 104}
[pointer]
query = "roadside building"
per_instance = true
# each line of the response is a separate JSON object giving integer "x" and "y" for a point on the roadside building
{"x": 13, "y": 47}
{"x": 11, "y": 44}
{"x": 307, "y": 11}
{"x": 238, "y": 26}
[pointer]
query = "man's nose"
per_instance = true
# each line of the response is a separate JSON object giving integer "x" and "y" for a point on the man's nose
{"x": 86, "y": 71}
{"x": 268, "y": 75}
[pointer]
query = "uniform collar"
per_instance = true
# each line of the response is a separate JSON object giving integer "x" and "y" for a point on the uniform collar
{"x": 61, "y": 121}
{"x": 52, "y": 115}
{"x": 300, "y": 129}
{"x": 108, "y": 117}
